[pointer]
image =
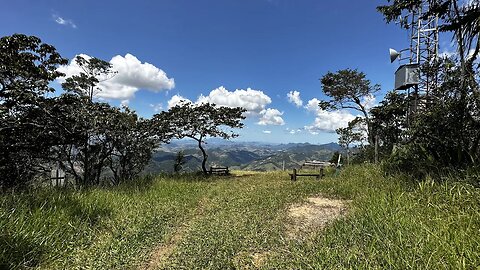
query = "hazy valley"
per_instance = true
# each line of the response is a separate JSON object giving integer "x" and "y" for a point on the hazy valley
{"x": 250, "y": 156}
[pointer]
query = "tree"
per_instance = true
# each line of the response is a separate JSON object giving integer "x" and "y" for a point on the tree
{"x": 389, "y": 121}
{"x": 27, "y": 66}
{"x": 449, "y": 130}
{"x": 84, "y": 146}
{"x": 349, "y": 135}
{"x": 94, "y": 71}
{"x": 188, "y": 120}
{"x": 179, "y": 161}
{"x": 95, "y": 120}
{"x": 348, "y": 89}
{"x": 132, "y": 141}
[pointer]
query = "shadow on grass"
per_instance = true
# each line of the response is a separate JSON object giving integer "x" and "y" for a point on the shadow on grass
{"x": 77, "y": 208}
{"x": 19, "y": 253}
{"x": 40, "y": 222}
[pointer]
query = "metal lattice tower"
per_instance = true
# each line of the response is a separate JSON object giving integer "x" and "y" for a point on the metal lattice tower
{"x": 423, "y": 36}
{"x": 424, "y": 45}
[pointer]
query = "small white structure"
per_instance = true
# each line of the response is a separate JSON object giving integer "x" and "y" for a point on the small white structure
{"x": 57, "y": 177}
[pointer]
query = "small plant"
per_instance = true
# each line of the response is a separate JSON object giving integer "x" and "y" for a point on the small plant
{"x": 179, "y": 162}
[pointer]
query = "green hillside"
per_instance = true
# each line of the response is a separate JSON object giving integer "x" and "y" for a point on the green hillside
{"x": 244, "y": 156}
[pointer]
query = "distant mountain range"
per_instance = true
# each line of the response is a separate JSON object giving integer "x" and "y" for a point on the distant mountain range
{"x": 253, "y": 156}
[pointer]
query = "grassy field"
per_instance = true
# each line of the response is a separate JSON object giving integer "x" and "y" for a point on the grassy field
{"x": 241, "y": 222}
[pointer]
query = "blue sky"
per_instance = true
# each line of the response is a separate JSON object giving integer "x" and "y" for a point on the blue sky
{"x": 265, "y": 49}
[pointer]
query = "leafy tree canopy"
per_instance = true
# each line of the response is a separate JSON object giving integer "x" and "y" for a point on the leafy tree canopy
{"x": 199, "y": 121}
{"x": 348, "y": 89}
{"x": 94, "y": 71}
{"x": 27, "y": 66}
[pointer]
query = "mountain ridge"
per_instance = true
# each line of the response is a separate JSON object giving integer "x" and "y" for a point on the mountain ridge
{"x": 254, "y": 156}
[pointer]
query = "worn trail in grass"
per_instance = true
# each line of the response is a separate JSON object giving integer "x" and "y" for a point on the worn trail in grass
{"x": 244, "y": 220}
{"x": 251, "y": 221}
{"x": 391, "y": 223}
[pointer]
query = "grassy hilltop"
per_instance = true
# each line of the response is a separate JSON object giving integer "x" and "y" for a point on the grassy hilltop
{"x": 244, "y": 221}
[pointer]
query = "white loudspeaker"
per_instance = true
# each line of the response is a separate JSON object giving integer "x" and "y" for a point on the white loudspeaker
{"x": 393, "y": 55}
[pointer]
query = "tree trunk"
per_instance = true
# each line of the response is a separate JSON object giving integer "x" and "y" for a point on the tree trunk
{"x": 205, "y": 156}
{"x": 348, "y": 156}
{"x": 367, "y": 120}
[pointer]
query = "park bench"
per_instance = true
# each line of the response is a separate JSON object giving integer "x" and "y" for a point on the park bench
{"x": 309, "y": 164}
{"x": 219, "y": 170}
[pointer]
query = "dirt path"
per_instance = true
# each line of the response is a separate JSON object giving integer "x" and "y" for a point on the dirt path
{"x": 312, "y": 215}
{"x": 160, "y": 254}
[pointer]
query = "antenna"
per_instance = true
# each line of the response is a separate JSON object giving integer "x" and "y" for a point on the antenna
{"x": 422, "y": 28}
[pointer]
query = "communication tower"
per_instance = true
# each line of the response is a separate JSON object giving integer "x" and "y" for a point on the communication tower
{"x": 422, "y": 30}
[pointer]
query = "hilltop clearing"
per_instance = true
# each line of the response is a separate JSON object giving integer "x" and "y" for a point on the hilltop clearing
{"x": 251, "y": 220}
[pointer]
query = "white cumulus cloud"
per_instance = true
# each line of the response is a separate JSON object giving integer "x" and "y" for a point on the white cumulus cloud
{"x": 271, "y": 117}
{"x": 175, "y": 100}
{"x": 293, "y": 131}
{"x": 132, "y": 75}
{"x": 328, "y": 121}
{"x": 132, "y": 72}
{"x": 267, "y": 131}
{"x": 312, "y": 105}
{"x": 294, "y": 97}
{"x": 254, "y": 101}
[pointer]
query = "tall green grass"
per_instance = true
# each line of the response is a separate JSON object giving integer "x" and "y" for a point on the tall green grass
{"x": 394, "y": 223}
{"x": 96, "y": 228}
{"x": 229, "y": 222}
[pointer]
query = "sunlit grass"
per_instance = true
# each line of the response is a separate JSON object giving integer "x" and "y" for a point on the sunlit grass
{"x": 98, "y": 228}
{"x": 231, "y": 222}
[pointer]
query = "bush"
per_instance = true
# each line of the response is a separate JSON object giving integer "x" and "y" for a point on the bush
{"x": 413, "y": 160}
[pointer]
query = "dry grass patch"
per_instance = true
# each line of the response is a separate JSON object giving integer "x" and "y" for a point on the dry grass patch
{"x": 161, "y": 253}
{"x": 247, "y": 260}
{"x": 314, "y": 214}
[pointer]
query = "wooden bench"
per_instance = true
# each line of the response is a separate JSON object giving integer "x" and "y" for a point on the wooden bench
{"x": 295, "y": 174}
{"x": 316, "y": 165}
{"x": 219, "y": 170}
